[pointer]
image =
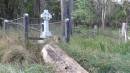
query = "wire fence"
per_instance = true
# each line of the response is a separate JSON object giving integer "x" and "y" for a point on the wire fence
{"x": 14, "y": 27}
{"x": 119, "y": 34}
{"x": 55, "y": 27}
{"x": 34, "y": 29}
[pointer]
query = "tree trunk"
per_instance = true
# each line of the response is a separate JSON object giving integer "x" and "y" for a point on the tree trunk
{"x": 36, "y": 8}
{"x": 103, "y": 21}
{"x": 62, "y": 9}
{"x": 42, "y": 5}
{"x": 104, "y": 8}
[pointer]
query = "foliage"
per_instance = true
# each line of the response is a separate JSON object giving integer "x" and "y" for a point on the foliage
{"x": 28, "y": 5}
{"x": 11, "y": 8}
{"x": 54, "y": 8}
{"x": 90, "y": 12}
{"x": 83, "y": 12}
{"x": 119, "y": 14}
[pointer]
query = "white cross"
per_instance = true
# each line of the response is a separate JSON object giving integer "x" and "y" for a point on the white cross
{"x": 46, "y": 17}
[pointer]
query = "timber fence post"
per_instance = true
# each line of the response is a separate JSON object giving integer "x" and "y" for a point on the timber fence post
{"x": 4, "y": 25}
{"x": 26, "y": 26}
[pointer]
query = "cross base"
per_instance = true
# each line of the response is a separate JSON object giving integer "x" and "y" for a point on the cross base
{"x": 45, "y": 34}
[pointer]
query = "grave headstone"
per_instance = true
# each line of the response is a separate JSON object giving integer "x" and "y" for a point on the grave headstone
{"x": 46, "y": 16}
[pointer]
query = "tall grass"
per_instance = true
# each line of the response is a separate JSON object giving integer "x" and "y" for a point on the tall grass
{"x": 99, "y": 54}
{"x": 15, "y": 58}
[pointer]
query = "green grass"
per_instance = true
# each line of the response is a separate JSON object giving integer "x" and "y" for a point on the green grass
{"x": 99, "y": 54}
{"x": 33, "y": 68}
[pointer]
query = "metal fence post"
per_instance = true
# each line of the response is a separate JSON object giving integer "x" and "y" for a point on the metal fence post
{"x": 26, "y": 26}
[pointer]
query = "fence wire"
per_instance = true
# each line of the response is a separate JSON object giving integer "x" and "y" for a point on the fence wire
{"x": 55, "y": 27}
{"x": 14, "y": 28}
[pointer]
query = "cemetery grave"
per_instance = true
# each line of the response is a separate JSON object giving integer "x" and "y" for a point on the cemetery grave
{"x": 65, "y": 36}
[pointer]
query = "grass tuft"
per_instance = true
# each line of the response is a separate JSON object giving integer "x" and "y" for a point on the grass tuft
{"x": 99, "y": 54}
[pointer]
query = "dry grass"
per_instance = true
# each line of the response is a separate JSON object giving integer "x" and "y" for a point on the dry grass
{"x": 12, "y": 49}
{"x": 17, "y": 54}
{"x": 15, "y": 58}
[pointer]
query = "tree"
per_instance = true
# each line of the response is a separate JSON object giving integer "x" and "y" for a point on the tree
{"x": 62, "y": 5}
{"x": 42, "y": 5}
{"x": 126, "y": 6}
{"x": 36, "y": 8}
{"x": 83, "y": 12}
{"x": 103, "y": 10}
{"x": 104, "y": 7}
{"x": 12, "y": 8}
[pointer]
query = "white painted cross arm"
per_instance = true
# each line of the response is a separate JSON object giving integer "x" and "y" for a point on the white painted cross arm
{"x": 46, "y": 15}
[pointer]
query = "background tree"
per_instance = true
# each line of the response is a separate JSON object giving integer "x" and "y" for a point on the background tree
{"x": 126, "y": 7}
{"x": 103, "y": 11}
{"x": 83, "y": 12}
